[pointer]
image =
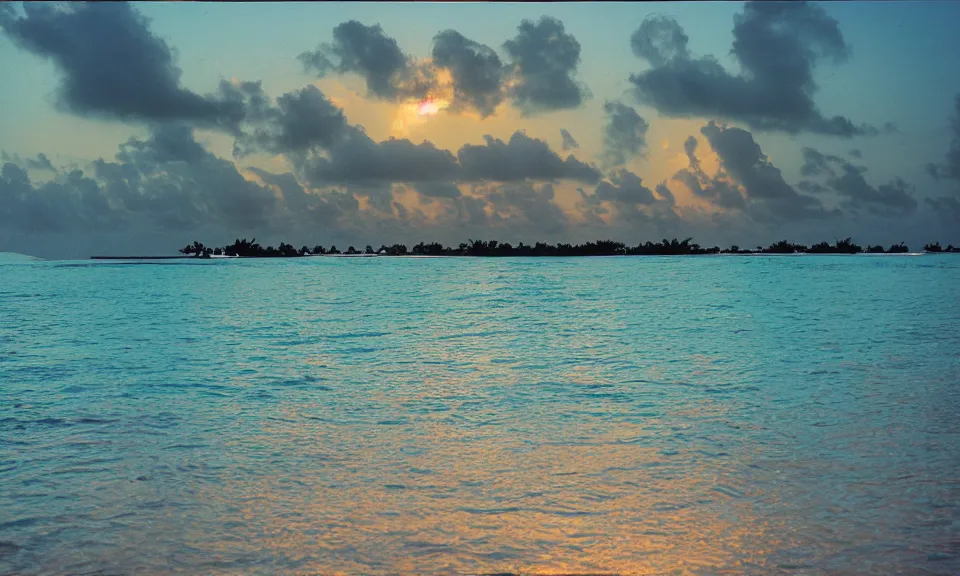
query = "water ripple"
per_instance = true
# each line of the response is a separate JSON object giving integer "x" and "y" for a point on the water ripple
{"x": 382, "y": 416}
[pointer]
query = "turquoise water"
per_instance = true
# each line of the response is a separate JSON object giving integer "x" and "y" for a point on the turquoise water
{"x": 701, "y": 415}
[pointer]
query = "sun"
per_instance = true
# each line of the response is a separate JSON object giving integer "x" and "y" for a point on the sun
{"x": 428, "y": 107}
{"x": 415, "y": 113}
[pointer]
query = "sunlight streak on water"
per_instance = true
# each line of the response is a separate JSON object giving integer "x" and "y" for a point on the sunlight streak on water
{"x": 640, "y": 415}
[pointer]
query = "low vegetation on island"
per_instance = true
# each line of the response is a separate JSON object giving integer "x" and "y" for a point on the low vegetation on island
{"x": 251, "y": 249}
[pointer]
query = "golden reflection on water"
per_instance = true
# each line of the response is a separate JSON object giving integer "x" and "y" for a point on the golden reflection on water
{"x": 430, "y": 496}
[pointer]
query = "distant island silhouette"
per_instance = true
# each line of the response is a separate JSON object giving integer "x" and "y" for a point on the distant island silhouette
{"x": 492, "y": 248}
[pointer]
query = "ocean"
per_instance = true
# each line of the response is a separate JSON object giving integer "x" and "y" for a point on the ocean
{"x": 634, "y": 415}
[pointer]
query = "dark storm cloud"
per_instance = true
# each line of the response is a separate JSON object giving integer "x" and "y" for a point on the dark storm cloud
{"x": 544, "y": 59}
{"x": 625, "y": 134}
{"x": 521, "y": 158}
{"x": 856, "y": 153}
{"x": 111, "y": 65}
{"x": 476, "y": 71}
{"x": 369, "y": 52}
{"x": 778, "y": 46}
{"x": 301, "y": 120}
{"x": 568, "y": 141}
{"x": 848, "y": 182}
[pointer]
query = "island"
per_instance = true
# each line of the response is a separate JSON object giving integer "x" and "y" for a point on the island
{"x": 243, "y": 248}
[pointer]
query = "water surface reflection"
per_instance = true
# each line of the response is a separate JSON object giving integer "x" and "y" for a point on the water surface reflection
{"x": 640, "y": 416}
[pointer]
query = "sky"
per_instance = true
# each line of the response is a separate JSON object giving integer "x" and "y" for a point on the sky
{"x": 139, "y": 128}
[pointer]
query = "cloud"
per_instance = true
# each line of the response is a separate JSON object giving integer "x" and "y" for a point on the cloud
{"x": 172, "y": 188}
{"x": 746, "y": 180}
{"x": 521, "y": 158}
{"x": 56, "y": 206}
{"x": 953, "y": 155}
{"x": 568, "y": 141}
{"x": 315, "y": 135}
{"x": 811, "y": 187}
{"x": 741, "y": 157}
{"x": 624, "y": 187}
{"x": 950, "y": 167}
{"x": 855, "y": 153}
{"x": 778, "y": 46}
{"x": 167, "y": 189}
{"x": 847, "y": 181}
{"x": 947, "y": 210}
{"x": 538, "y": 76}
{"x": 356, "y": 158}
{"x": 525, "y": 204}
{"x": 41, "y": 163}
{"x": 182, "y": 185}
{"x": 717, "y": 189}
{"x": 111, "y": 65}
{"x": 690, "y": 147}
{"x": 666, "y": 194}
{"x": 816, "y": 163}
{"x": 544, "y": 59}
{"x": 476, "y": 70}
{"x": 302, "y": 120}
{"x": 630, "y": 203}
{"x": 892, "y": 199}
{"x": 625, "y": 134}
{"x": 438, "y": 189}
{"x": 660, "y": 40}
{"x": 369, "y": 52}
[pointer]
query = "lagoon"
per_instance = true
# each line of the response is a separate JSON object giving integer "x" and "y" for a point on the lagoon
{"x": 689, "y": 415}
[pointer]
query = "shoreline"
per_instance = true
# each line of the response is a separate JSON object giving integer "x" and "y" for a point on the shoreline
{"x": 549, "y": 256}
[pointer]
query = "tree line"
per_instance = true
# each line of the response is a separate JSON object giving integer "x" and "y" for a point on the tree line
{"x": 251, "y": 249}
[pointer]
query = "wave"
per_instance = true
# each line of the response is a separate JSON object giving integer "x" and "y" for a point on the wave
{"x": 17, "y": 258}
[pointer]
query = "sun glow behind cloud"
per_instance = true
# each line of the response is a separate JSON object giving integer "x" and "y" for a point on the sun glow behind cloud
{"x": 428, "y": 107}
{"x": 414, "y": 112}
